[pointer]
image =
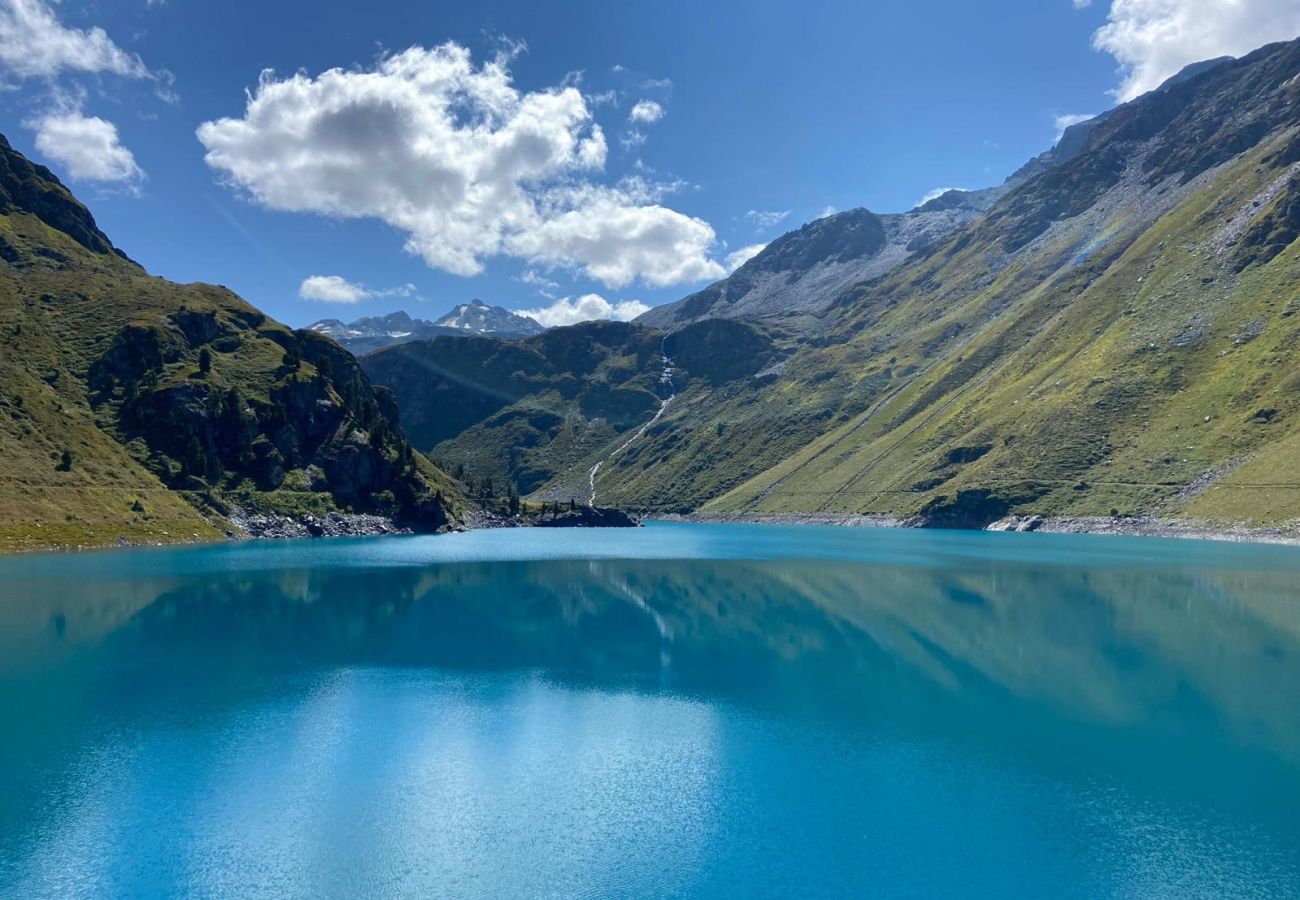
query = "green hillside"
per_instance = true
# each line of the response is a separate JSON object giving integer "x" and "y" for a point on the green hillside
{"x": 1117, "y": 335}
{"x": 137, "y": 409}
{"x": 541, "y": 411}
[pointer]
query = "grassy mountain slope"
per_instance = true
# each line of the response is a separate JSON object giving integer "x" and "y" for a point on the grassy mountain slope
{"x": 1117, "y": 334}
{"x": 541, "y": 411}
{"x": 135, "y": 408}
{"x": 522, "y": 410}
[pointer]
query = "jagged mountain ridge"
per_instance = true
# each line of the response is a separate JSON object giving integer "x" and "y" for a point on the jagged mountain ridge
{"x": 132, "y": 407}
{"x": 371, "y": 333}
{"x": 476, "y": 317}
{"x": 799, "y": 276}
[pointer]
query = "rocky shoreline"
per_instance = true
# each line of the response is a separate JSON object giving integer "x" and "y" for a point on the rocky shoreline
{"x": 269, "y": 526}
{"x": 847, "y": 520}
{"x": 1128, "y": 526}
{"x": 1153, "y": 526}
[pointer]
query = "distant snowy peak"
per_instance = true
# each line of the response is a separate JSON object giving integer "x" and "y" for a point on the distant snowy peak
{"x": 372, "y": 333}
{"x": 476, "y": 317}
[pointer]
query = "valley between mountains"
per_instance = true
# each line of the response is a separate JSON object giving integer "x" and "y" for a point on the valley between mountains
{"x": 1113, "y": 332}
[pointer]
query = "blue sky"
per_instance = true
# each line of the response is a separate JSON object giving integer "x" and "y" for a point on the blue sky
{"x": 527, "y": 153}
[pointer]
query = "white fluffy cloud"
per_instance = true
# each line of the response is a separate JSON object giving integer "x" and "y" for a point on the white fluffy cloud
{"x": 1154, "y": 39}
{"x": 33, "y": 43}
{"x": 646, "y": 112}
{"x": 88, "y": 147}
{"x": 570, "y": 311}
{"x": 461, "y": 161}
{"x": 337, "y": 289}
{"x": 616, "y": 241}
{"x": 737, "y": 258}
{"x": 331, "y": 289}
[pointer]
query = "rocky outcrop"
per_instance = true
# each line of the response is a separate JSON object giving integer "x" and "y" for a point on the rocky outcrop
{"x": 973, "y": 508}
{"x": 28, "y": 187}
{"x": 321, "y": 418}
{"x": 588, "y": 517}
{"x": 335, "y": 524}
{"x": 1018, "y": 523}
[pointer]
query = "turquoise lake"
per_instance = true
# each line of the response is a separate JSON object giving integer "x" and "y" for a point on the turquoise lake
{"x": 673, "y": 711}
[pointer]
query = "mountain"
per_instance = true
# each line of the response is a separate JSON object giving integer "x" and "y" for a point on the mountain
{"x": 1118, "y": 332}
{"x": 132, "y": 407}
{"x": 797, "y": 277}
{"x": 476, "y": 317}
{"x": 544, "y": 408}
{"x": 372, "y": 333}
{"x": 526, "y": 410}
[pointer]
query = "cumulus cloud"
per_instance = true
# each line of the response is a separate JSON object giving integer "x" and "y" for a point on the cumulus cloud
{"x": 88, "y": 147}
{"x": 1154, "y": 39}
{"x": 737, "y": 258}
{"x": 646, "y": 112}
{"x": 766, "y": 218}
{"x": 827, "y": 210}
{"x": 617, "y": 240}
{"x": 1070, "y": 119}
{"x": 34, "y": 43}
{"x": 460, "y": 160}
{"x": 337, "y": 289}
{"x": 570, "y": 311}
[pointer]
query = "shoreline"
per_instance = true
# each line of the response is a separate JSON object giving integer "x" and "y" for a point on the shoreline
{"x": 1287, "y": 534}
{"x": 1129, "y": 526}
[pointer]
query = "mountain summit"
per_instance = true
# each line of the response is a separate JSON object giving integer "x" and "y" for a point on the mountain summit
{"x": 372, "y": 333}
{"x": 476, "y": 317}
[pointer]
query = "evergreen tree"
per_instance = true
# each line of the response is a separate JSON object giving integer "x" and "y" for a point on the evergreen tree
{"x": 205, "y": 361}
{"x": 195, "y": 461}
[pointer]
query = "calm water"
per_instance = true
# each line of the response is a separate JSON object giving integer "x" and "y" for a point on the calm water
{"x": 695, "y": 711}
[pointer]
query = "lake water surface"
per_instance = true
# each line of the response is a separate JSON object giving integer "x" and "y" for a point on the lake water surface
{"x": 679, "y": 710}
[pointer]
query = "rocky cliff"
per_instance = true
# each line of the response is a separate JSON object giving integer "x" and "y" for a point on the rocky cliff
{"x": 135, "y": 408}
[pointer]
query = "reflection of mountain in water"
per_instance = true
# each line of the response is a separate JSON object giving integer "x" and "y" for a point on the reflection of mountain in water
{"x": 919, "y": 703}
{"x": 1136, "y": 647}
